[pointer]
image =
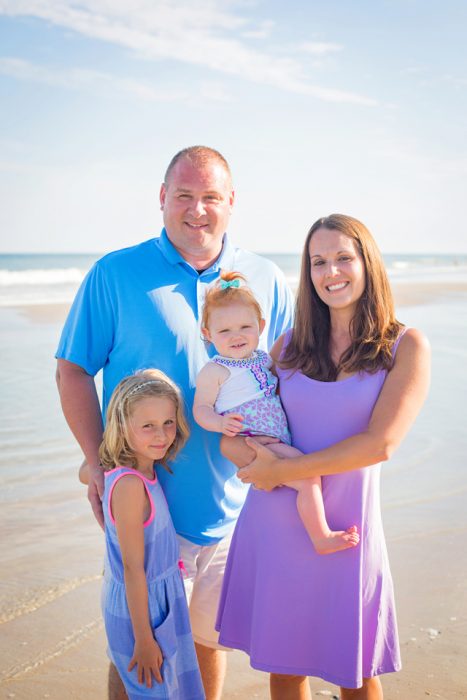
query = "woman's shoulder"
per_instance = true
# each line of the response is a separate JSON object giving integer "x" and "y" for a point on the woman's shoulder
{"x": 412, "y": 339}
{"x": 411, "y": 349}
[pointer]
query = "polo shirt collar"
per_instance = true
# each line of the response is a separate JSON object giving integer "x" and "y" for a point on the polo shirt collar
{"x": 171, "y": 254}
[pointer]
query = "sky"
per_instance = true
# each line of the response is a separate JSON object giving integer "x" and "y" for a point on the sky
{"x": 319, "y": 107}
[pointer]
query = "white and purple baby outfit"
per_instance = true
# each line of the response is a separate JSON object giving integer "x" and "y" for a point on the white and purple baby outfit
{"x": 250, "y": 389}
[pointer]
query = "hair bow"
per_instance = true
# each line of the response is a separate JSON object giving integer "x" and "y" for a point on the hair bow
{"x": 225, "y": 284}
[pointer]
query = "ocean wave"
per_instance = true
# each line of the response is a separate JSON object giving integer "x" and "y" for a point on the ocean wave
{"x": 413, "y": 272}
{"x": 37, "y": 278}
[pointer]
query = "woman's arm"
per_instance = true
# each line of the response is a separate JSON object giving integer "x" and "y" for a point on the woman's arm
{"x": 128, "y": 507}
{"x": 208, "y": 383}
{"x": 399, "y": 403}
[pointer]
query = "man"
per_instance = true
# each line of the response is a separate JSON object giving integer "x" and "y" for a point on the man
{"x": 140, "y": 307}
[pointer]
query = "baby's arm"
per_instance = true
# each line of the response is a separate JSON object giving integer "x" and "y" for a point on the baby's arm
{"x": 128, "y": 508}
{"x": 208, "y": 383}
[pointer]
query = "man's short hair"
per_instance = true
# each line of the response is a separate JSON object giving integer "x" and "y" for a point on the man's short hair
{"x": 198, "y": 156}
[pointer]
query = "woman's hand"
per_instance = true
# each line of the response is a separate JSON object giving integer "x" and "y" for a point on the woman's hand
{"x": 148, "y": 658}
{"x": 265, "y": 471}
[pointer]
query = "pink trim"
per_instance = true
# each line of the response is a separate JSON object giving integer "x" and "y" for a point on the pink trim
{"x": 145, "y": 481}
{"x": 133, "y": 471}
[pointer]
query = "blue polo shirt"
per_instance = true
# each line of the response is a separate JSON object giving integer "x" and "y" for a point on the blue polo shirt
{"x": 141, "y": 307}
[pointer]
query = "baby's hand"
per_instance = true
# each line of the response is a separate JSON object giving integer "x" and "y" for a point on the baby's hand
{"x": 232, "y": 424}
{"x": 148, "y": 657}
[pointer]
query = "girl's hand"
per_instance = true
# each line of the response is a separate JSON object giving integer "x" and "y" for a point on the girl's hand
{"x": 266, "y": 471}
{"x": 231, "y": 424}
{"x": 148, "y": 657}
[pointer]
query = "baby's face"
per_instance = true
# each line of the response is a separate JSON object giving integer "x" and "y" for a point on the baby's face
{"x": 234, "y": 330}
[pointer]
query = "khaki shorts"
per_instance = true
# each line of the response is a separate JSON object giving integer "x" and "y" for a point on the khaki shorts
{"x": 204, "y": 571}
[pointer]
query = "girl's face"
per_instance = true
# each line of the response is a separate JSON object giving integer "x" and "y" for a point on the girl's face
{"x": 337, "y": 269}
{"x": 152, "y": 428}
{"x": 234, "y": 330}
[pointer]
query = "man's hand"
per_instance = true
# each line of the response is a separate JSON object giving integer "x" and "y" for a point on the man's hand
{"x": 265, "y": 471}
{"x": 96, "y": 491}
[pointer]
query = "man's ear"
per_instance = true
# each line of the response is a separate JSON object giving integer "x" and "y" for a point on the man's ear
{"x": 162, "y": 193}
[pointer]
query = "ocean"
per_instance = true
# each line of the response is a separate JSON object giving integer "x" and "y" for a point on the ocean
{"x": 50, "y": 278}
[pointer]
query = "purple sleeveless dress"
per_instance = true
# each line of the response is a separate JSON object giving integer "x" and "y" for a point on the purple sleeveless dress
{"x": 292, "y": 610}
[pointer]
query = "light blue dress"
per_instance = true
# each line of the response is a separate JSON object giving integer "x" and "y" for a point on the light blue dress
{"x": 168, "y": 611}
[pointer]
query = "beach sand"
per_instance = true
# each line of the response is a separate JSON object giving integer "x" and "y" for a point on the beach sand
{"x": 53, "y": 644}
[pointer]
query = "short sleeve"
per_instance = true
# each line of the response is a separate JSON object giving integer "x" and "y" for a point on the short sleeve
{"x": 88, "y": 333}
{"x": 282, "y": 310}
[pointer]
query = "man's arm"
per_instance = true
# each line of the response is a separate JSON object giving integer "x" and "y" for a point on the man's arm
{"x": 81, "y": 409}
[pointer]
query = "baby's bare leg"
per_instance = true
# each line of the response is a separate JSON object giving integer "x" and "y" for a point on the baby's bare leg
{"x": 311, "y": 510}
{"x": 237, "y": 451}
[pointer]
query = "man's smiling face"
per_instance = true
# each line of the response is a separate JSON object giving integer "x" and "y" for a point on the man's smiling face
{"x": 196, "y": 202}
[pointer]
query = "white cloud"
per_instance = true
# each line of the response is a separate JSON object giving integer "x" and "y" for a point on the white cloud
{"x": 79, "y": 78}
{"x": 320, "y": 48}
{"x": 262, "y": 32}
{"x": 213, "y": 91}
{"x": 205, "y": 33}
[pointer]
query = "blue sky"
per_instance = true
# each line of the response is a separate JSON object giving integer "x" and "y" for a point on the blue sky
{"x": 353, "y": 107}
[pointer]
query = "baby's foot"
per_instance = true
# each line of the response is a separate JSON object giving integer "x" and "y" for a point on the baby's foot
{"x": 336, "y": 541}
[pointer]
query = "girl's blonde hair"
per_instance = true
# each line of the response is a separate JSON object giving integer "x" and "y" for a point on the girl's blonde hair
{"x": 115, "y": 449}
{"x": 374, "y": 328}
{"x": 230, "y": 288}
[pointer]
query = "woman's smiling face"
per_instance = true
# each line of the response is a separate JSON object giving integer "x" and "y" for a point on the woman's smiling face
{"x": 337, "y": 269}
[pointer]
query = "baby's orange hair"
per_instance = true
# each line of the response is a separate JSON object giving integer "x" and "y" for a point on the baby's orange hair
{"x": 225, "y": 292}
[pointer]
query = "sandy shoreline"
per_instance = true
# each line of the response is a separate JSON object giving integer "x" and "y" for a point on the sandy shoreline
{"x": 57, "y": 648}
{"x": 53, "y": 644}
{"x": 405, "y": 294}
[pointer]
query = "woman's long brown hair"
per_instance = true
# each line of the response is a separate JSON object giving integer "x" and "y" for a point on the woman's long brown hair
{"x": 374, "y": 328}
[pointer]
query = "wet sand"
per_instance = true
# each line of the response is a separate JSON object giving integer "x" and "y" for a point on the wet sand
{"x": 52, "y": 643}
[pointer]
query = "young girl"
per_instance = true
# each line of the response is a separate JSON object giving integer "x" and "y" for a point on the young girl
{"x": 236, "y": 395}
{"x": 144, "y": 604}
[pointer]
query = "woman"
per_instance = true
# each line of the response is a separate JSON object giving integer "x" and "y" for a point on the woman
{"x": 352, "y": 381}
